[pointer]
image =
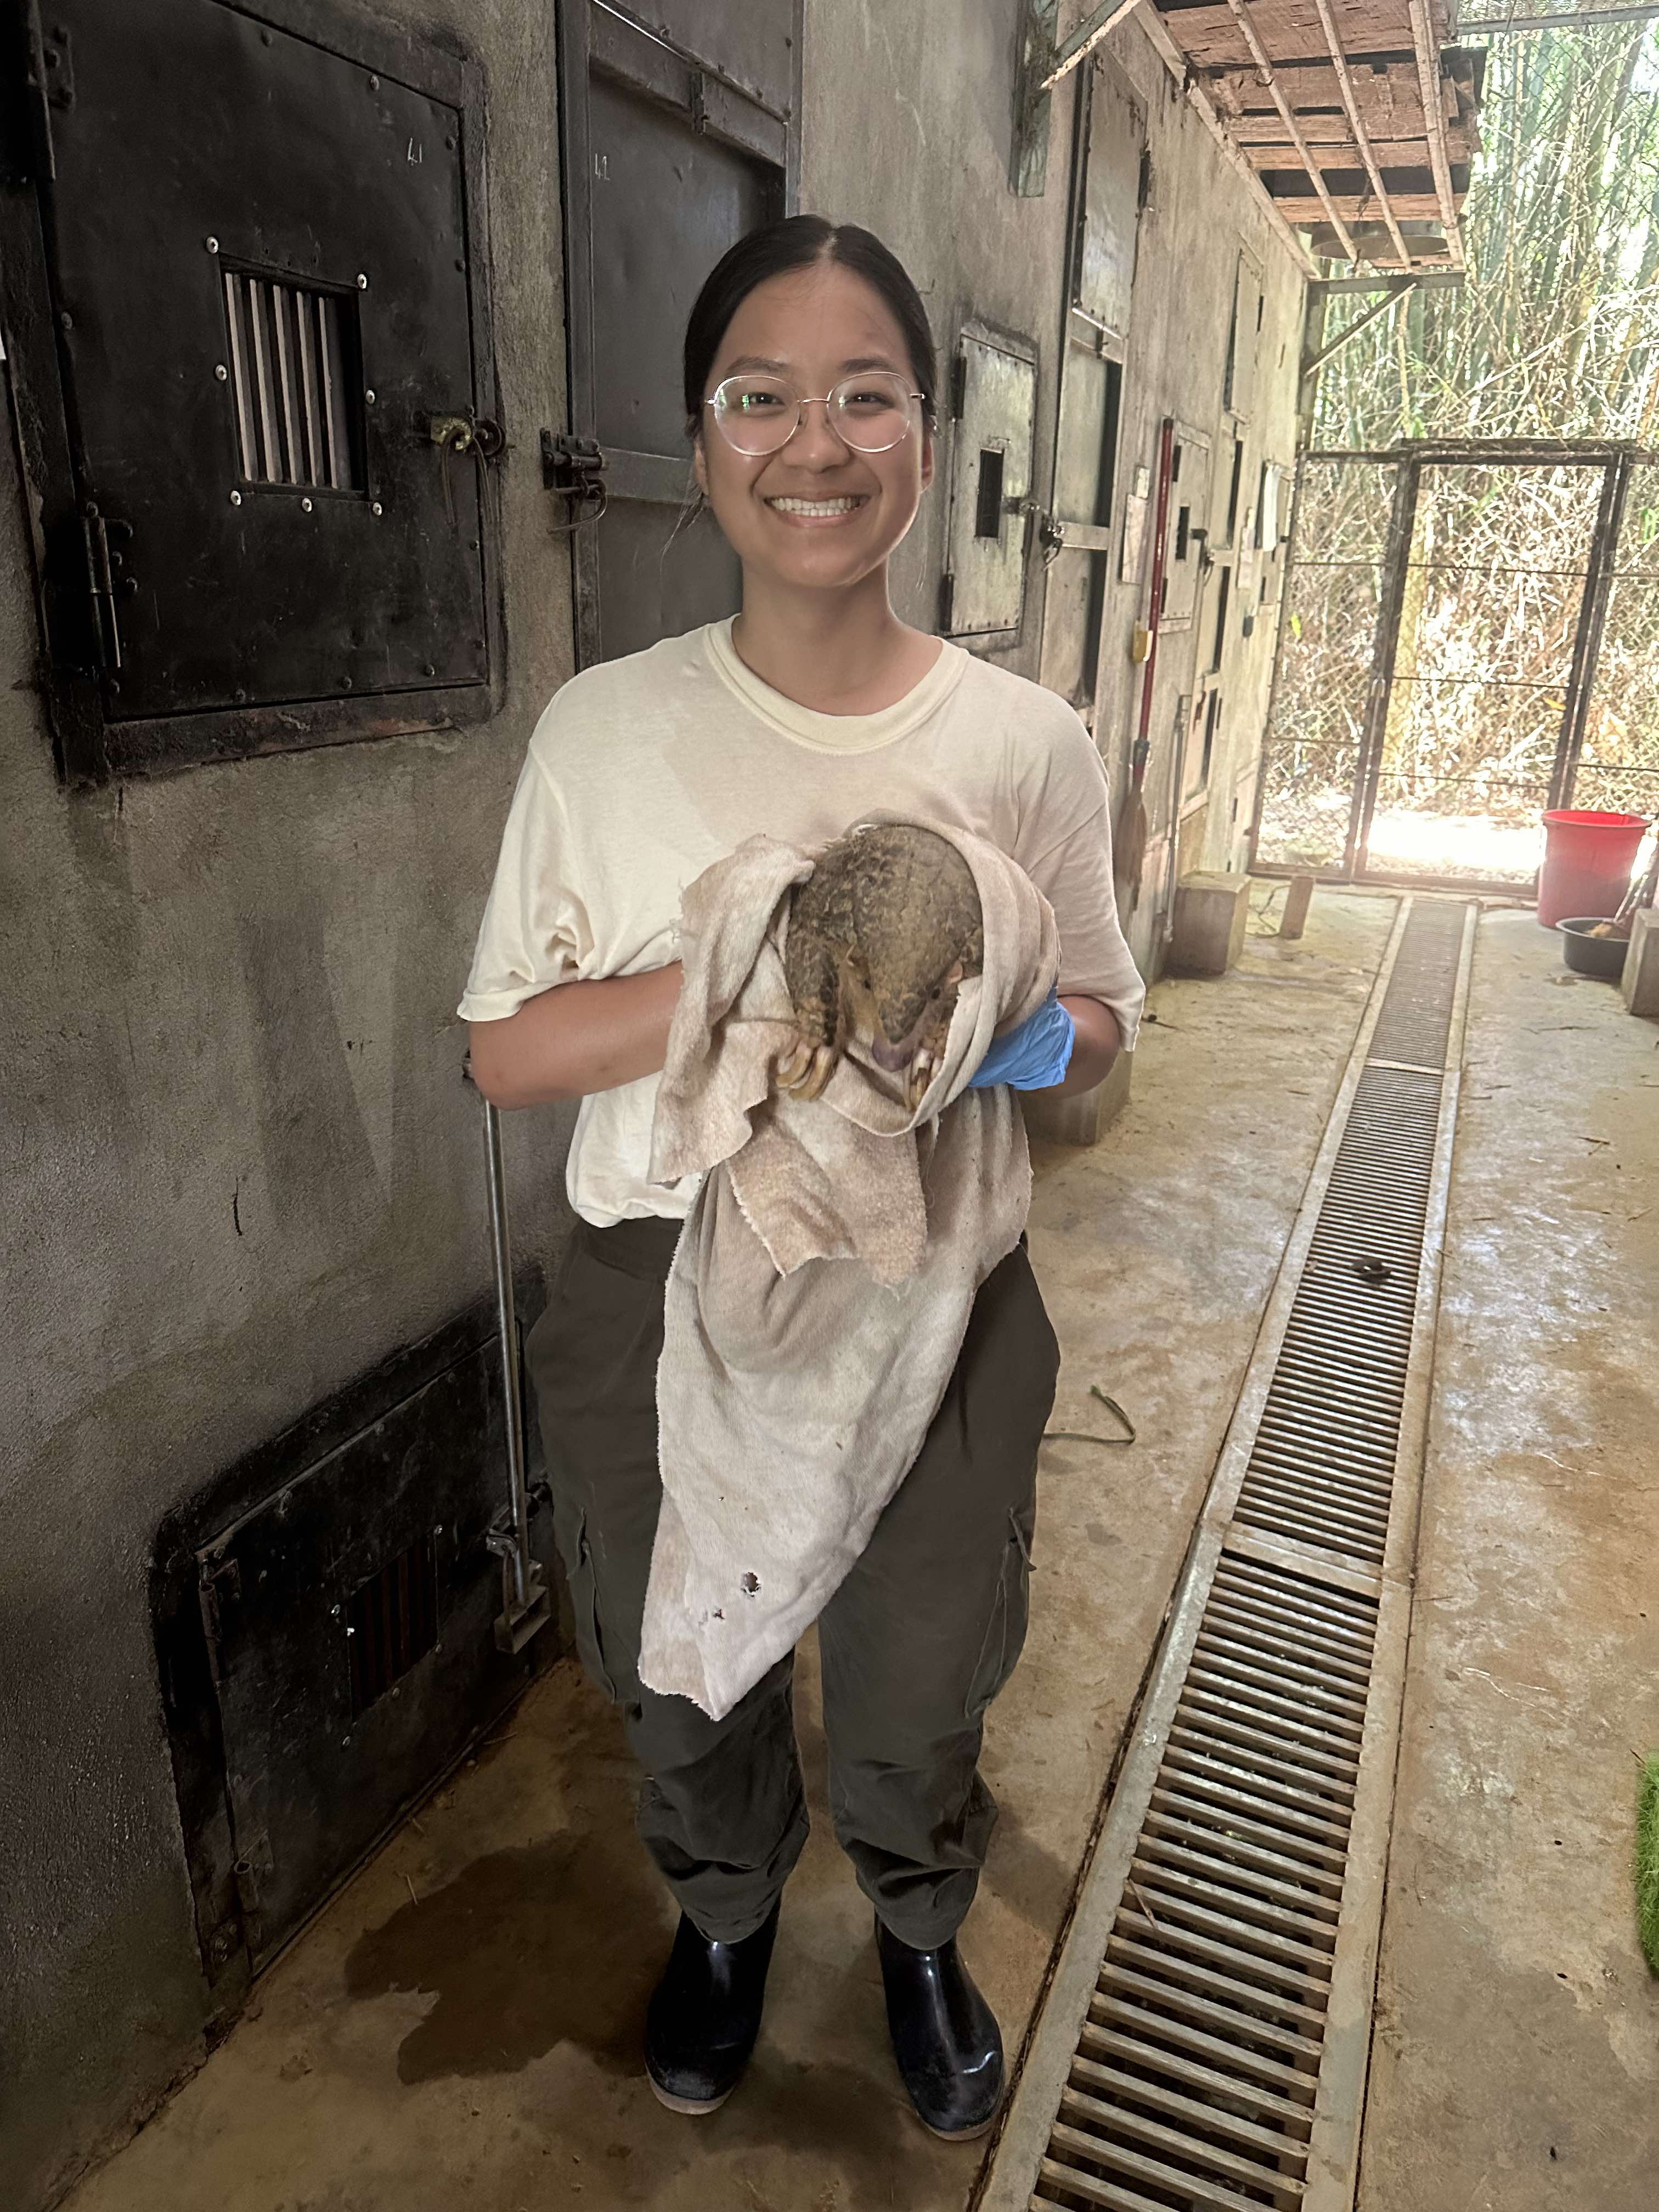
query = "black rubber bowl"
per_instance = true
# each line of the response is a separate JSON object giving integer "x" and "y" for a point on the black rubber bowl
{"x": 1592, "y": 955}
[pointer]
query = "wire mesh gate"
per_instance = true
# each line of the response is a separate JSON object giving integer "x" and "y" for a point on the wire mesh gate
{"x": 1469, "y": 634}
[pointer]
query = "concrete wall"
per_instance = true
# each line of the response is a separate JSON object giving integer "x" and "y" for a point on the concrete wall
{"x": 245, "y": 1166}
{"x": 907, "y": 123}
{"x": 235, "y": 984}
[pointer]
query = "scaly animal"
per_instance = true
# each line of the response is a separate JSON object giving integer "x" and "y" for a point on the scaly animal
{"x": 880, "y": 936}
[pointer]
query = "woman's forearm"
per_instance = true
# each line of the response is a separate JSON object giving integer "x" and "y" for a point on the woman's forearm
{"x": 576, "y": 1038}
{"x": 1098, "y": 1042}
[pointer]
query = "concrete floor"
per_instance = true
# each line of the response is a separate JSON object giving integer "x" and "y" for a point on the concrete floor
{"x": 461, "y": 2026}
{"x": 1516, "y": 2059}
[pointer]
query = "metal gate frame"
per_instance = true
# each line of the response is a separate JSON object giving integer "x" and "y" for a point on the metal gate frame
{"x": 1409, "y": 458}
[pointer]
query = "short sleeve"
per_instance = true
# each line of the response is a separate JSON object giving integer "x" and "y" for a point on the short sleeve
{"x": 535, "y": 931}
{"x": 1068, "y": 836}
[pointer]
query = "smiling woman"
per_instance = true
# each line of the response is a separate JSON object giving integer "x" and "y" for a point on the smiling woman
{"x": 810, "y": 403}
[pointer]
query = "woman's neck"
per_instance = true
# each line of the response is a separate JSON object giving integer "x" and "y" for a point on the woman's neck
{"x": 838, "y": 652}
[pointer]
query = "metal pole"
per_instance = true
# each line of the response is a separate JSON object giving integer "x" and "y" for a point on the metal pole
{"x": 1402, "y": 517}
{"x": 1586, "y": 636}
{"x": 526, "y": 1604}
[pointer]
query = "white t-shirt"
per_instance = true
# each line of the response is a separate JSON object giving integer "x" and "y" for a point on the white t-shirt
{"x": 643, "y": 772}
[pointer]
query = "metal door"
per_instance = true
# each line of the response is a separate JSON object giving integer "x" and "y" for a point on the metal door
{"x": 680, "y": 132}
{"x": 1109, "y": 184}
{"x": 234, "y": 352}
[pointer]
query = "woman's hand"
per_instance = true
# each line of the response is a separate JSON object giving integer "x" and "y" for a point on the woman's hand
{"x": 1066, "y": 1045}
{"x": 575, "y": 1039}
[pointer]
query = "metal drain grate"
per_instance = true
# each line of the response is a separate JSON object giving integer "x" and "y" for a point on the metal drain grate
{"x": 1412, "y": 1027}
{"x": 1321, "y": 1470}
{"x": 1196, "y": 2069}
{"x": 1203, "y": 2045}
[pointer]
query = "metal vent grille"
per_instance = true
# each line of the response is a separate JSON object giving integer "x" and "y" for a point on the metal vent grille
{"x": 1416, "y": 1010}
{"x": 1321, "y": 1469}
{"x": 1231, "y": 1910}
{"x": 296, "y": 384}
{"x": 1195, "y": 2078}
{"x": 391, "y": 1621}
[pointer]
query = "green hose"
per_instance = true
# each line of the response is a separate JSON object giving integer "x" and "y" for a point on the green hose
{"x": 1647, "y": 1860}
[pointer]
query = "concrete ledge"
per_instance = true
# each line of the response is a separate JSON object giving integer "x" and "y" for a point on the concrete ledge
{"x": 1211, "y": 913}
{"x": 1638, "y": 985}
{"x": 1085, "y": 1117}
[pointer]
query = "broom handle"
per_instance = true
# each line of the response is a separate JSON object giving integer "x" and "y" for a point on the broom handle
{"x": 1160, "y": 520}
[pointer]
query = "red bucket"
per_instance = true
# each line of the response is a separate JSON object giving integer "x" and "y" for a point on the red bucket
{"x": 1587, "y": 859}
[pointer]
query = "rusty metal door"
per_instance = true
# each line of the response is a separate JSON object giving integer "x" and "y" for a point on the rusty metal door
{"x": 1435, "y": 684}
{"x": 680, "y": 129}
{"x": 1109, "y": 186}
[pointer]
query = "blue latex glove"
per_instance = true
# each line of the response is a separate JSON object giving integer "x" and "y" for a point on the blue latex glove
{"x": 1034, "y": 1055}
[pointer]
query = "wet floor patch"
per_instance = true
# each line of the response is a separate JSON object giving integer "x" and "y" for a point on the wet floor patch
{"x": 557, "y": 1941}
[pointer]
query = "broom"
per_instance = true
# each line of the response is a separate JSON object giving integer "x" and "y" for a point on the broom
{"x": 1129, "y": 832}
{"x": 1129, "y": 835}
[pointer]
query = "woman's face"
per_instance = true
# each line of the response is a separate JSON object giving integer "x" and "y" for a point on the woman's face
{"x": 816, "y": 513}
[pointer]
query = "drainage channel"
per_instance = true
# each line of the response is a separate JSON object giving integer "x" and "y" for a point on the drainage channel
{"x": 1203, "y": 2042}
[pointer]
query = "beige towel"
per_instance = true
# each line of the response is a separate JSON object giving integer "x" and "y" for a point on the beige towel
{"x": 821, "y": 1289}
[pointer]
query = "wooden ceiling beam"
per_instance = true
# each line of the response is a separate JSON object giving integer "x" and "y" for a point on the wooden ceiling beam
{"x": 1286, "y": 116}
{"x": 1428, "y": 75}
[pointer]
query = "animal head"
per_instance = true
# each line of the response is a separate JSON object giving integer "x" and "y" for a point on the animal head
{"x": 902, "y": 1000}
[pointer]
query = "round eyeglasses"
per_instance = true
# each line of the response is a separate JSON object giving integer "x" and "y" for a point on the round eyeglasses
{"x": 759, "y": 414}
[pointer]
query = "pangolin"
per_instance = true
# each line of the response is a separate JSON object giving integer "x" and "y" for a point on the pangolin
{"x": 880, "y": 935}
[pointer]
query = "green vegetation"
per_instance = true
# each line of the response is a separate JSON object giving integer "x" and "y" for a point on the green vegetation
{"x": 1556, "y": 332}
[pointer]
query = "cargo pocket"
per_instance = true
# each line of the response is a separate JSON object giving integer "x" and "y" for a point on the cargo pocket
{"x": 1004, "y": 1635}
{"x": 585, "y": 1604}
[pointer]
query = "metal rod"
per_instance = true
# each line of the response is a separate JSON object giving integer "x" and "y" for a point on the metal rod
{"x": 1434, "y": 122}
{"x": 1587, "y": 637}
{"x": 1287, "y": 116}
{"x": 1402, "y": 520}
{"x": 1397, "y": 290}
{"x": 1327, "y": 288}
{"x": 515, "y": 1556}
{"x": 1575, "y": 19}
{"x": 1361, "y": 138}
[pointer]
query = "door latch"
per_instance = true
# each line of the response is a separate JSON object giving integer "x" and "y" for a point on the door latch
{"x": 574, "y": 469}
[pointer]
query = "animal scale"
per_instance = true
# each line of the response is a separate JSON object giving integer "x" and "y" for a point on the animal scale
{"x": 880, "y": 936}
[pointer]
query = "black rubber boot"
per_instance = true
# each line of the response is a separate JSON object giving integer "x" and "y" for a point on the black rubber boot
{"x": 946, "y": 2037}
{"x": 705, "y": 2015}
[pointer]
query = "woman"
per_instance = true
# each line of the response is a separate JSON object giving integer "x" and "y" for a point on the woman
{"x": 810, "y": 396}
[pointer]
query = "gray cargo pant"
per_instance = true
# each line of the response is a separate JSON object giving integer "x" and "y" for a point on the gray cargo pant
{"x": 915, "y": 1645}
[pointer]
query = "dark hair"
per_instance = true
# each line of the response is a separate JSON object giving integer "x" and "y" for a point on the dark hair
{"x": 798, "y": 242}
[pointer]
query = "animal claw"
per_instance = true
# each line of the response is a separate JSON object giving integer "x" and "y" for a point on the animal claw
{"x": 805, "y": 1068}
{"x": 820, "y": 1068}
{"x": 923, "y": 1068}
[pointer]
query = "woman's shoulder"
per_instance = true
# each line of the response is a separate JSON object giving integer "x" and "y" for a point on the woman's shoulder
{"x": 600, "y": 708}
{"x": 1023, "y": 710}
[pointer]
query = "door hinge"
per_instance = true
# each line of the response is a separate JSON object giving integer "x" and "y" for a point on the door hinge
{"x": 216, "y": 1586}
{"x": 947, "y": 590}
{"x": 574, "y": 469}
{"x": 98, "y": 536}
